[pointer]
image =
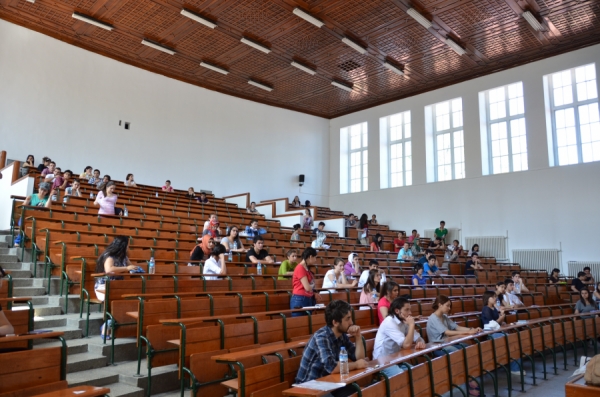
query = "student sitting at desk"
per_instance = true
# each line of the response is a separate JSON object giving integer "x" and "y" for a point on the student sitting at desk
{"x": 321, "y": 355}
{"x": 396, "y": 332}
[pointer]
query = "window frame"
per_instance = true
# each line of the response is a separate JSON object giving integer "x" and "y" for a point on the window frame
{"x": 402, "y": 141}
{"x": 575, "y": 104}
{"x": 364, "y": 151}
{"x": 451, "y": 130}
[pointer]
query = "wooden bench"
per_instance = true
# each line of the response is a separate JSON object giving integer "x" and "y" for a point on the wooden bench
{"x": 577, "y": 387}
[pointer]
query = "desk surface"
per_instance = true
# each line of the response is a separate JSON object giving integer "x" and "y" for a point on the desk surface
{"x": 259, "y": 351}
{"x": 78, "y": 391}
{"x": 19, "y": 338}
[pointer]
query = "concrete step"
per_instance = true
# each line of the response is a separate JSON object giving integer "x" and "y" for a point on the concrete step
{"x": 15, "y": 266}
{"x": 94, "y": 377}
{"x": 74, "y": 346}
{"x": 28, "y": 282}
{"x": 164, "y": 379}
{"x": 123, "y": 390}
{"x": 49, "y": 322}
{"x": 28, "y": 291}
{"x": 85, "y": 361}
{"x": 46, "y": 310}
{"x": 55, "y": 300}
{"x": 69, "y": 333}
{"x": 4, "y": 250}
{"x": 7, "y": 258}
{"x": 15, "y": 274}
{"x": 125, "y": 348}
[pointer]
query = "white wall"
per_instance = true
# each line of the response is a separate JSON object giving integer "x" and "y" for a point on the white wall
{"x": 55, "y": 97}
{"x": 540, "y": 208}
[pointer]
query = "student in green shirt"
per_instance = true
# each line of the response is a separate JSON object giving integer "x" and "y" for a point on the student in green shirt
{"x": 441, "y": 231}
{"x": 287, "y": 266}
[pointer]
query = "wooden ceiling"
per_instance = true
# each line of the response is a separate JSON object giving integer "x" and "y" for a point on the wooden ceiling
{"x": 492, "y": 32}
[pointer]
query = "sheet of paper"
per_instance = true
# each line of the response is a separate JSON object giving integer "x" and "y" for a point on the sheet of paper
{"x": 318, "y": 385}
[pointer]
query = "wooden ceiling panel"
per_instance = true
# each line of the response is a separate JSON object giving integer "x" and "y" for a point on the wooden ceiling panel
{"x": 494, "y": 34}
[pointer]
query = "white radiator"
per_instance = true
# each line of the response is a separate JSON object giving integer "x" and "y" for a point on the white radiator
{"x": 537, "y": 259}
{"x": 453, "y": 234}
{"x": 575, "y": 267}
{"x": 489, "y": 246}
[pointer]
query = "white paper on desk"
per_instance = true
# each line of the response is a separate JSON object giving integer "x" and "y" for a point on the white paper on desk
{"x": 319, "y": 385}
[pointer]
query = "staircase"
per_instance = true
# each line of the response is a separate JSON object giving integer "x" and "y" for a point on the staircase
{"x": 87, "y": 358}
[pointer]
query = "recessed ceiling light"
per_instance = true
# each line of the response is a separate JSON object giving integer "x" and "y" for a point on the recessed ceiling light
{"x": 255, "y": 45}
{"x": 416, "y": 15}
{"x": 158, "y": 47}
{"x": 259, "y": 85}
{"x": 307, "y": 17}
{"x": 393, "y": 68}
{"x": 454, "y": 45}
{"x": 198, "y": 18}
{"x": 354, "y": 45}
{"x": 304, "y": 68}
{"x": 92, "y": 21}
{"x": 529, "y": 17}
{"x": 214, "y": 68}
{"x": 342, "y": 86}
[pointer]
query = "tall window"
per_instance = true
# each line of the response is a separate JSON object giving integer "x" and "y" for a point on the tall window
{"x": 573, "y": 98}
{"x": 358, "y": 157}
{"x": 506, "y": 128}
{"x": 448, "y": 140}
{"x": 400, "y": 148}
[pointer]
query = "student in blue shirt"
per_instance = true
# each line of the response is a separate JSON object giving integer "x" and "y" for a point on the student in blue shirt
{"x": 425, "y": 258}
{"x": 418, "y": 278}
{"x": 405, "y": 254}
{"x": 430, "y": 267}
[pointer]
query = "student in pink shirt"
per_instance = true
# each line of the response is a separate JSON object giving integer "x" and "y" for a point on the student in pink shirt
{"x": 106, "y": 199}
{"x": 167, "y": 187}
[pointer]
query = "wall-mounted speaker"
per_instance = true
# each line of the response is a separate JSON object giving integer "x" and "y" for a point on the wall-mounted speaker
{"x": 301, "y": 179}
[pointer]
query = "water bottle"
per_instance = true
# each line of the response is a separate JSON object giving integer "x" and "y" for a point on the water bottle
{"x": 125, "y": 212}
{"x": 235, "y": 245}
{"x": 91, "y": 195}
{"x": 344, "y": 368}
{"x": 259, "y": 269}
{"x": 156, "y": 194}
{"x": 227, "y": 231}
{"x": 151, "y": 266}
{"x": 382, "y": 281}
{"x": 498, "y": 304}
{"x": 230, "y": 257}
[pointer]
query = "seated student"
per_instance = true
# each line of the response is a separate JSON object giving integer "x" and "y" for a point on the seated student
{"x": 48, "y": 172}
{"x": 500, "y": 290}
{"x": 215, "y": 264}
{"x": 87, "y": 173}
{"x": 253, "y": 230}
{"x": 553, "y": 279}
{"x": 307, "y": 203}
{"x": 430, "y": 267}
{"x": 371, "y": 288}
{"x": 455, "y": 250}
{"x": 167, "y": 187}
{"x": 405, "y": 254}
{"x": 396, "y": 332}
{"x": 287, "y": 266}
{"x": 6, "y": 327}
{"x": 425, "y": 258}
{"x": 252, "y": 209}
{"x": 232, "y": 241}
{"x": 39, "y": 199}
{"x": 389, "y": 292}
{"x": 438, "y": 243}
{"x": 473, "y": 264}
{"x": 95, "y": 179}
{"x": 191, "y": 194}
{"x": 296, "y": 233}
{"x": 65, "y": 180}
{"x": 307, "y": 220}
{"x": 211, "y": 226}
{"x": 106, "y": 199}
{"x": 352, "y": 267}
{"x": 441, "y": 231}
{"x": 373, "y": 265}
{"x": 335, "y": 278}
{"x": 519, "y": 283}
{"x": 596, "y": 294}
{"x": 399, "y": 242}
{"x": 203, "y": 199}
{"x": 202, "y": 250}
{"x": 377, "y": 243}
{"x": 27, "y": 165}
{"x": 296, "y": 203}
{"x": 418, "y": 278}
{"x": 105, "y": 180}
{"x": 303, "y": 283}
{"x": 351, "y": 221}
{"x": 322, "y": 352}
{"x": 585, "y": 304}
{"x": 319, "y": 242}
{"x": 413, "y": 236}
{"x": 257, "y": 253}
{"x": 589, "y": 279}
{"x": 74, "y": 190}
{"x": 373, "y": 220}
{"x": 474, "y": 248}
{"x": 44, "y": 164}
{"x": 416, "y": 246}
{"x": 490, "y": 313}
{"x": 511, "y": 299}
{"x": 577, "y": 283}
{"x": 129, "y": 181}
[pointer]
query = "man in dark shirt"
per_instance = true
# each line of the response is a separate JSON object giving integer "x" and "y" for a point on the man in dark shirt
{"x": 257, "y": 253}
{"x": 578, "y": 283}
{"x": 473, "y": 264}
{"x": 45, "y": 163}
{"x": 425, "y": 258}
{"x": 589, "y": 279}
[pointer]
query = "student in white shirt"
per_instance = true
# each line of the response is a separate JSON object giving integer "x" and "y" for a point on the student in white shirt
{"x": 511, "y": 300}
{"x": 396, "y": 332}
{"x": 364, "y": 276}
{"x": 519, "y": 284}
{"x": 216, "y": 263}
{"x": 335, "y": 278}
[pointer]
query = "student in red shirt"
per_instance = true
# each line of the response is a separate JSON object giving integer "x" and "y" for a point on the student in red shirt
{"x": 389, "y": 292}
{"x": 399, "y": 242}
{"x": 303, "y": 283}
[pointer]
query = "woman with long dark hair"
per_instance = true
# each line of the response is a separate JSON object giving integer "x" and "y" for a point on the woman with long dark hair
{"x": 585, "y": 303}
{"x": 362, "y": 227}
{"x": 106, "y": 199}
{"x": 554, "y": 276}
{"x": 232, "y": 241}
{"x": 389, "y": 292}
{"x": 28, "y": 165}
{"x": 377, "y": 243}
{"x": 370, "y": 292}
{"x": 129, "y": 181}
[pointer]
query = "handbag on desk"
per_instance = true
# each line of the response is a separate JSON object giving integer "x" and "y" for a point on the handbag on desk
{"x": 592, "y": 371}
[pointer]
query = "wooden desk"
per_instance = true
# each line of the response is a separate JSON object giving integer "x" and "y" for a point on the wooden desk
{"x": 577, "y": 387}
{"x": 232, "y": 358}
{"x": 78, "y": 391}
{"x": 19, "y": 338}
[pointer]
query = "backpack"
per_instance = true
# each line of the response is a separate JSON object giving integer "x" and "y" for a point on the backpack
{"x": 592, "y": 371}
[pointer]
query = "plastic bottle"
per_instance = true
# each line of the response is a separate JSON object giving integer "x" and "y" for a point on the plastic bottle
{"x": 230, "y": 256}
{"x": 498, "y": 304}
{"x": 259, "y": 269}
{"x": 235, "y": 245}
{"x": 156, "y": 194}
{"x": 382, "y": 280}
{"x": 125, "y": 212}
{"x": 151, "y": 266}
{"x": 91, "y": 195}
{"x": 344, "y": 368}
{"x": 227, "y": 231}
